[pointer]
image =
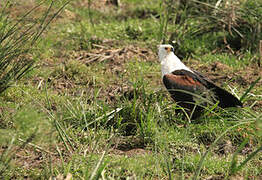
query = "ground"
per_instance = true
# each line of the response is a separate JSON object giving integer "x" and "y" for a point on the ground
{"x": 94, "y": 105}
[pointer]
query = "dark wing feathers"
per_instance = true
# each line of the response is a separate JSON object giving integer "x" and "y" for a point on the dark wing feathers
{"x": 193, "y": 82}
{"x": 225, "y": 98}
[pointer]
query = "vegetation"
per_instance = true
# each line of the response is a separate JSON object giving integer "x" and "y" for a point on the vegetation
{"x": 82, "y": 97}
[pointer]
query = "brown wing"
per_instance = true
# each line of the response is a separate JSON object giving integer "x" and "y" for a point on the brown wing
{"x": 183, "y": 87}
{"x": 183, "y": 82}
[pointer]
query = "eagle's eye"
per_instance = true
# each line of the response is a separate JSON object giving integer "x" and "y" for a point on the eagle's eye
{"x": 166, "y": 48}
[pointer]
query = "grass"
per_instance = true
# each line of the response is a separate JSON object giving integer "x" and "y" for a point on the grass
{"x": 87, "y": 116}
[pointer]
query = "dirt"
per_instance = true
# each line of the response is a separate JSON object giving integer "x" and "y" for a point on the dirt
{"x": 34, "y": 158}
{"x": 114, "y": 56}
{"x": 131, "y": 153}
{"x": 29, "y": 157}
{"x": 115, "y": 59}
{"x": 129, "y": 146}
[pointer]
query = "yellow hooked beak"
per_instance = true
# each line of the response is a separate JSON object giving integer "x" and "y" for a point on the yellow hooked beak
{"x": 169, "y": 49}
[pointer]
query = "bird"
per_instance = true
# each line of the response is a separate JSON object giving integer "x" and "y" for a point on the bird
{"x": 190, "y": 89}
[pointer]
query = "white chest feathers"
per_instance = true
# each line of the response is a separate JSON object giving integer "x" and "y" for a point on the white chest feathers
{"x": 171, "y": 63}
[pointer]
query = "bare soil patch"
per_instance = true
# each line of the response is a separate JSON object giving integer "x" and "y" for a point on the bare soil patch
{"x": 129, "y": 146}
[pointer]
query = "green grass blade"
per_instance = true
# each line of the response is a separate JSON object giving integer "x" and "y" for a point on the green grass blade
{"x": 248, "y": 159}
{"x": 41, "y": 30}
{"x": 242, "y": 98}
{"x": 98, "y": 167}
{"x": 233, "y": 166}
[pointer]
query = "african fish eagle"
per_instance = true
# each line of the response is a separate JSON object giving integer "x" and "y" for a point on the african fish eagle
{"x": 190, "y": 89}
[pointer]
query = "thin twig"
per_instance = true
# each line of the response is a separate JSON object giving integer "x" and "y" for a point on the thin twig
{"x": 36, "y": 146}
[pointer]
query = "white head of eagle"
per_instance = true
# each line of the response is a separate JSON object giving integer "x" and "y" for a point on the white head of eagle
{"x": 169, "y": 61}
{"x": 186, "y": 86}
